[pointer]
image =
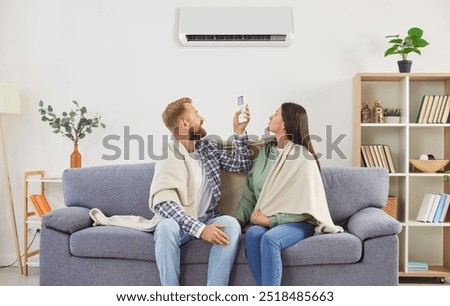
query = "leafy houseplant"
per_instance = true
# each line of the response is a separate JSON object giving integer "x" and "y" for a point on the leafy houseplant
{"x": 391, "y": 115}
{"x": 392, "y": 112}
{"x": 446, "y": 176}
{"x": 403, "y": 46}
{"x": 73, "y": 125}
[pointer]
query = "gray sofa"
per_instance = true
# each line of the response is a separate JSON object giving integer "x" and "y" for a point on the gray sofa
{"x": 73, "y": 252}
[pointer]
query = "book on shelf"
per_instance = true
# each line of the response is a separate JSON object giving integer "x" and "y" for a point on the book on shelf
{"x": 427, "y": 110}
{"x": 376, "y": 150}
{"x": 422, "y": 107}
{"x": 390, "y": 160}
{"x": 372, "y": 149}
{"x": 425, "y": 207}
{"x": 440, "y": 208}
{"x": 365, "y": 156}
{"x": 383, "y": 157}
{"x": 439, "y": 110}
{"x": 434, "y": 109}
{"x": 40, "y": 204}
{"x": 417, "y": 266}
{"x": 446, "y": 111}
{"x": 434, "y": 208}
{"x": 445, "y": 209}
{"x": 377, "y": 155}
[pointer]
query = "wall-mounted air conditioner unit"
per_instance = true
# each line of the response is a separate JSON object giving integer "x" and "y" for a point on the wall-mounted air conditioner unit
{"x": 236, "y": 26}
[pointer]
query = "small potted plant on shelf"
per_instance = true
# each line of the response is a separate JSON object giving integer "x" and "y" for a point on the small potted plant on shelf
{"x": 73, "y": 125}
{"x": 403, "y": 46}
{"x": 392, "y": 115}
{"x": 446, "y": 176}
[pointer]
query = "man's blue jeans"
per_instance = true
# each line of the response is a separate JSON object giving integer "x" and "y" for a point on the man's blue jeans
{"x": 264, "y": 245}
{"x": 168, "y": 239}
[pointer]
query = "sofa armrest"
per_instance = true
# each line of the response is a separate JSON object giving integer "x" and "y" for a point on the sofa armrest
{"x": 372, "y": 222}
{"x": 68, "y": 219}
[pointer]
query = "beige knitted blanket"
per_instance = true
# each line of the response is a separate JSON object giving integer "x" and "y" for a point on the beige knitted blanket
{"x": 168, "y": 184}
{"x": 294, "y": 185}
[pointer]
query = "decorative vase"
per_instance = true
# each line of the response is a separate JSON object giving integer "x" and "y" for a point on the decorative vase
{"x": 404, "y": 66}
{"x": 366, "y": 113}
{"x": 377, "y": 112}
{"x": 75, "y": 157}
{"x": 391, "y": 119}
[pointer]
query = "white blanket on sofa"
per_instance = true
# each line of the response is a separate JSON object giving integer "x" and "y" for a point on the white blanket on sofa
{"x": 135, "y": 222}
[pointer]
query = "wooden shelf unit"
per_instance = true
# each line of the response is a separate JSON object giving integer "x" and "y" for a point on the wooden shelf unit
{"x": 429, "y": 242}
{"x": 30, "y": 216}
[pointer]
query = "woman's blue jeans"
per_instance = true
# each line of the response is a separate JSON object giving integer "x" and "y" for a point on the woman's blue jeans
{"x": 264, "y": 245}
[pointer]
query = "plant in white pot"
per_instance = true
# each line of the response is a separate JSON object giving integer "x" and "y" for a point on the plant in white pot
{"x": 391, "y": 115}
{"x": 403, "y": 46}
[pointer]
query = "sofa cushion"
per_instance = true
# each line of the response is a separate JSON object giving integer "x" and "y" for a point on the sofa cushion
{"x": 127, "y": 243}
{"x": 342, "y": 248}
{"x": 115, "y": 190}
{"x": 67, "y": 219}
{"x": 381, "y": 224}
{"x": 113, "y": 242}
{"x": 349, "y": 190}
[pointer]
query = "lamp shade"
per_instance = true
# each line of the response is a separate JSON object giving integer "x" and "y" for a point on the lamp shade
{"x": 9, "y": 98}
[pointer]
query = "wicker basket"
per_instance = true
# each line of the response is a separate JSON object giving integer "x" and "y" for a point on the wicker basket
{"x": 391, "y": 207}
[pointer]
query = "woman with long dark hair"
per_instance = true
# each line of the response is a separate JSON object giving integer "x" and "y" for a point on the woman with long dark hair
{"x": 284, "y": 199}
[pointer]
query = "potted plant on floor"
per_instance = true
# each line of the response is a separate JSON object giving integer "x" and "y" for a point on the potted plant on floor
{"x": 73, "y": 125}
{"x": 391, "y": 115}
{"x": 403, "y": 46}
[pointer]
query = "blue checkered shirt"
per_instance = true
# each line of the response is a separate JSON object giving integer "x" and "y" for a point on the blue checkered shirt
{"x": 214, "y": 158}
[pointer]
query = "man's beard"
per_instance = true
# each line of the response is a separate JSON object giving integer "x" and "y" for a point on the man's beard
{"x": 196, "y": 134}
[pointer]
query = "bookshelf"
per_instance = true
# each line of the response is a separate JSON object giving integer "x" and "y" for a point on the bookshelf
{"x": 419, "y": 241}
{"x": 30, "y": 218}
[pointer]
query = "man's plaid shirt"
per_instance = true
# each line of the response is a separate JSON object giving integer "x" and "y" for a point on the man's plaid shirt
{"x": 214, "y": 159}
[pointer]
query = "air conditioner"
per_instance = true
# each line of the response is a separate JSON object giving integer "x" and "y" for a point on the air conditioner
{"x": 236, "y": 26}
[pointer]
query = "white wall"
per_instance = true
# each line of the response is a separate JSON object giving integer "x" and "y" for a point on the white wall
{"x": 122, "y": 60}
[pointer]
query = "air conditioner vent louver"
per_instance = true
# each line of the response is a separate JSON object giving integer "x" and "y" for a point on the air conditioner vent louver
{"x": 234, "y": 37}
{"x": 236, "y": 26}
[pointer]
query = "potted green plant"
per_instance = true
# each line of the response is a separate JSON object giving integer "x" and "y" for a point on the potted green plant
{"x": 73, "y": 125}
{"x": 391, "y": 115}
{"x": 446, "y": 176}
{"x": 403, "y": 46}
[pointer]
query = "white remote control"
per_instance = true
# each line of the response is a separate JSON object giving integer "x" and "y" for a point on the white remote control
{"x": 241, "y": 105}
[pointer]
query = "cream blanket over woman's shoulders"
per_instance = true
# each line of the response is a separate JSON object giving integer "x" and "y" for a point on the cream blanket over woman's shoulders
{"x": 294, "y": 185}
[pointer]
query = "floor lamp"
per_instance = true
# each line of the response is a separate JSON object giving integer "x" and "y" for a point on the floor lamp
{"x": 10, "y": 103}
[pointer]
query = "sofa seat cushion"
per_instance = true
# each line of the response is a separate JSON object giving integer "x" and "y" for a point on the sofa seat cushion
{"x": 342, "y": 248}
{"x": 126, "y": 243}
{"x": 113, "y": 242}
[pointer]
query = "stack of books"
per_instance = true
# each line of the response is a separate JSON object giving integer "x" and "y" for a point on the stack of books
{"x": 378, "y": 156}
{"x": 418, "y": 266}
{"x": 434, "y": 109}
{"x": 434, "y": 207}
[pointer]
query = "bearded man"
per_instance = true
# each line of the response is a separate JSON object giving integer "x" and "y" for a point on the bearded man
{"x": 185, "y": 194}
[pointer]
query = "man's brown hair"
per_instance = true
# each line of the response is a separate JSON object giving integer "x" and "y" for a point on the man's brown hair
{"x": 172, "y": 113}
